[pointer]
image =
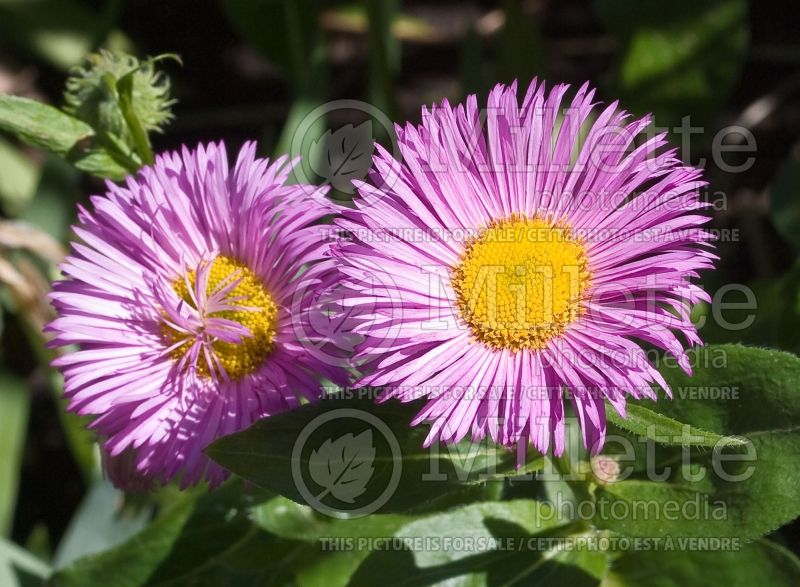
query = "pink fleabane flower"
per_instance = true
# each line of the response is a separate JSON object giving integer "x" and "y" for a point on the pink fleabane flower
{"x": 185, "y": 299}
{"x": 494, "y": 268}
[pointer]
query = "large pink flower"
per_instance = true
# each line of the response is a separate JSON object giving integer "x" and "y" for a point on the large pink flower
{"x": 185, "y": 298}
{"x": 493, "y": 268}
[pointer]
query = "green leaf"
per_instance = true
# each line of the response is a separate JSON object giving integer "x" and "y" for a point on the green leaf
{"x": 678, "y": 58}
{"x": 288, "y": 519}
{"x": 331, "y": 565}
{"x": 406, "y": 476}
{"x": 756, "y": 397}
{"x": 42, "y": 126}
{"x": 483, "y": 544}
{"x": 480, "y": 521}
{"x": 52, "y": 130}
{"x": 19, "y": 568}
{"x": 205, "y": 540}
{"x": 759, "y": 563}
{"x": 127, "y": 106}
{"x": 99, "y": 524}
{"x": 134, "y": 562}
{"x": 344, "y": 466}
{"x": 335, "y": 569}
{"x": 14, "y": 406}
{"x": 645, "y": 422}
{"x": 100, "y": 162}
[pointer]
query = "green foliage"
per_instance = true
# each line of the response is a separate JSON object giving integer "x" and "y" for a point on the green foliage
{"x": 749, "y": 495}
{"x": 759, "y": 563}
{"x": 43, "y": 126}
{"x": 263, "y": 454}
{"x": 132, "y": 563}
{"x": 199, "y": 540}
{"x": 679, "y": 57}
{"x": 488, "y": 543}
{"x": 650, "y": 424}
{"x": 75, "y": 141}
{"x": 761, "y": 407}
{"x": 19, "y": 568}
{"x": 14, "y": 405}
{"x": 216, "y": 537}
{"x": 99, "y": 524}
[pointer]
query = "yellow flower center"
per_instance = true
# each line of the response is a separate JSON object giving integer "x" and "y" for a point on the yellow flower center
{"x": 520, "y": 283}
{"x": 258, "y": 314}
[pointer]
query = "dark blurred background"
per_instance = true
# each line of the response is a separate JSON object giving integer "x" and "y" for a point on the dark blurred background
{"x": 253, "y": 68}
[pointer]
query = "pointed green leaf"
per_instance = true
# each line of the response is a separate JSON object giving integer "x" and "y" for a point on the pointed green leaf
{"x": 276, "y": 453}
{"x": 650, "y": 424}
{"x": 743, "y": 491}
{"x": 50, "y": 129}
{"x": 42, "y": 125}
{"x": 759, "y": 563}
{"x": 491, "y": 543}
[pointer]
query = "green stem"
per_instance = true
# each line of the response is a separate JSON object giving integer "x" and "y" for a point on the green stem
{"x": 140, "y": 138}
{"x": 124, "y": 89}
{"x": 297, "y": 44}
{"x": 118, "y": 154}
{"x": 383, "y": 53}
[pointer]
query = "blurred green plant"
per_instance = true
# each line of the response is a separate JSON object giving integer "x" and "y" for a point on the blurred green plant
{"x": 14, "y": 406}
{"x": 60, "y": 32}
{"x": 677, "y": 58}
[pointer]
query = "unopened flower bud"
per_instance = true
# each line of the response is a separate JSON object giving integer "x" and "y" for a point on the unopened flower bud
{"x": 605, "y": 469}
{"x": 92, "y": 94}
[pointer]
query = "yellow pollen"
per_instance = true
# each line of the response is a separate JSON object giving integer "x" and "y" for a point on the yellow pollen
{"x": 520, "y": 283}
{"x": 258, "y": 315}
